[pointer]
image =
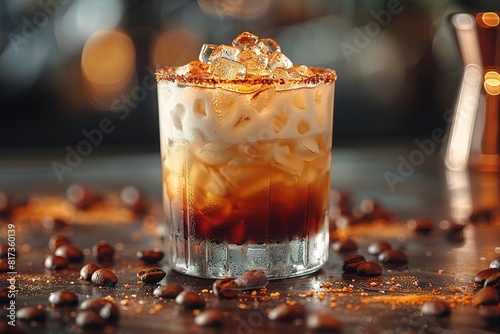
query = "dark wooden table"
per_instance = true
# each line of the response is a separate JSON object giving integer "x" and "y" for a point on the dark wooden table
{"x": 438, "y": 266}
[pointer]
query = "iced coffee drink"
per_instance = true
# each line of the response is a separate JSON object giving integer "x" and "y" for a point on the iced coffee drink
{"x": 245, "y": 143}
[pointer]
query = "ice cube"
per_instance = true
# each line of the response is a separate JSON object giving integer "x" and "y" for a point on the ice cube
{"x": 304, "y": 70}
{"x": 279, "y": 60}
{"x": 243, "y": 122}
{"x": 245, "y": 88}
{"x": 213, "y": 152}
{"x": 205, "y": 180}
{"x": 206, "y": 52}
{"x": 254, "y": 60}
{"x": 308, "y": 149}
{"x": 224, "y": 106}
{"x": 317, "y": 95}
{"x": 230, "y": 70}
{"x": 199, "y": 108}
{"x": 279, "y": 121}
{"x": 245, "y": 39}
{"x": 224, "y": 51}
{"x": 299, "y": 101}
{"x": 258, "y": 150}
{"x": 177, "y": 114}
{"x": 260, "y": 101}
{"x": 284, "y": 160}
{"x": 303, "y": 127}
{"x": 268, "y": 45}
{"x": 285, "y": 78}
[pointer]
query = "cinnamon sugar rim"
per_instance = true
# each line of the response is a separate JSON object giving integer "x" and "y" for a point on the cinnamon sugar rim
{"x": 321, "y": 75}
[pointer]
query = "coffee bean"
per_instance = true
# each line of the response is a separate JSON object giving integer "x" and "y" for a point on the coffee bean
{"x": 378, "y": 247}
{"x": 63, "y": 299}
{"x": 495, "y": 263}
{"x": 286, "y": 312}
{"x": 81, "y": 196}
{"x": 493, "y": 281}
{"x": 483, "y": 275}
{"x": 150, "y": 256}
{"x": 321, "y": 322}
{"x": 134, "y": 199}
{"x": 54, "y": 262}
{"x": 483, "y": 215}
{"x": 369, "y": 269}
{"x": 225, "y": 288}
{"x": 51, "y": 223}
{"x": 58, "y": 240}
{"x": 190, "y": 300}
{"x": 87, "y": 271}
{"x": 4, "y": 266}
{"x": 104, "y": 277}
{"x": 393, "y": 256}
{"x": 421, "y": 225}
{"x": 451, "y": 226}
{"x": 351, "y": 263}
{"x": 486, "y": 296}
{"x": 436, "y": 308}
{"x": 209, "y": 318}
{"x": 491, "y": 314}
{"x": 106, "y": 309}
{"x": 103, "y": 251}
{"x": 253, "y": 279}
{"x": 70, "y": 252}
{"x": 89, "y": 319}
{"x": 151, "y": 276}
{"x": 168, "y": 291}
{"x": 31, "y": 313}
{"x": 4, "y": 296}
{"x": 344, "y": 246}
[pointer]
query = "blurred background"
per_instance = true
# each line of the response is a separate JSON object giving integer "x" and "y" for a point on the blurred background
{"x": 65, "y": 65}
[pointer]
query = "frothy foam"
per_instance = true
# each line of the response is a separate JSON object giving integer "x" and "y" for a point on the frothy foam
{"x": 245, "y": 92}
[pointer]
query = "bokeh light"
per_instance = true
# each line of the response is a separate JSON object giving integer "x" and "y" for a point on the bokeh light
{"x": 490, "y": 19}
{"x": 108, "y": 67}
{"x": 240, "y": 9}
{"x": 492, "y": 82}
{"x": 175, "y": 47}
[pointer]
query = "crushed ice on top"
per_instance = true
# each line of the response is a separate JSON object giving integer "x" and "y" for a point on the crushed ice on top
{"x": 247, "y": 57}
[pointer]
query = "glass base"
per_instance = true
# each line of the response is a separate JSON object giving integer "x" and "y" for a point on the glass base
{"x": 207, "y": 259}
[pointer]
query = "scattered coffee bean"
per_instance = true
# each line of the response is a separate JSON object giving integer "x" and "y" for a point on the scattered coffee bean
{"x": 253, "y": 279}
{"x": 70, "y": 252}
{"x": 393, "y": 256}
{"x": 209, "y": 318}
{"x": 495, "y": 263}
{"x": 87, "y": 271}
{"x": 378, "y": 247}
{"x": 106, "y": 309}
{"x": 4, "y": 266}
{"x": 51, "y": 223}
{"x": 104, "y": 277}
{"x": 421, "y": 225}
{"x": 103, "y": 251}
{"x": 190, "y": 300}
{"x": 150, "y": 256}
{"x": 483, "y": 275}
{"x": 286, "y": 312}
{"x": 58, "y": 240}
{"x": 168, "y": 291}
{"x": 225, "y": 288}
{"x": 151, "y": 276}
{"x": 321, "y": 322}
{"x": 63, "y": 299}
{"x": 451, "y": 227}
{"x": 369, "y": 269}
{"x": 483, "y": 215}
{"x": 436, "y": 308}
{"x": 81, "y": 196}
{"x": 493, "y": 281}
{"x": 4, "y": 296}
{"x": 31, "y": 313}
{"x": 344, "y": 246}
{"x": 133, "y": 198}
{"x": 486, "y": 296}
{"x": 351, "y": 263}
{"x": 54, "y": 262}
{"x": 89, "y": 319}
{"x": 491, "y": 314}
